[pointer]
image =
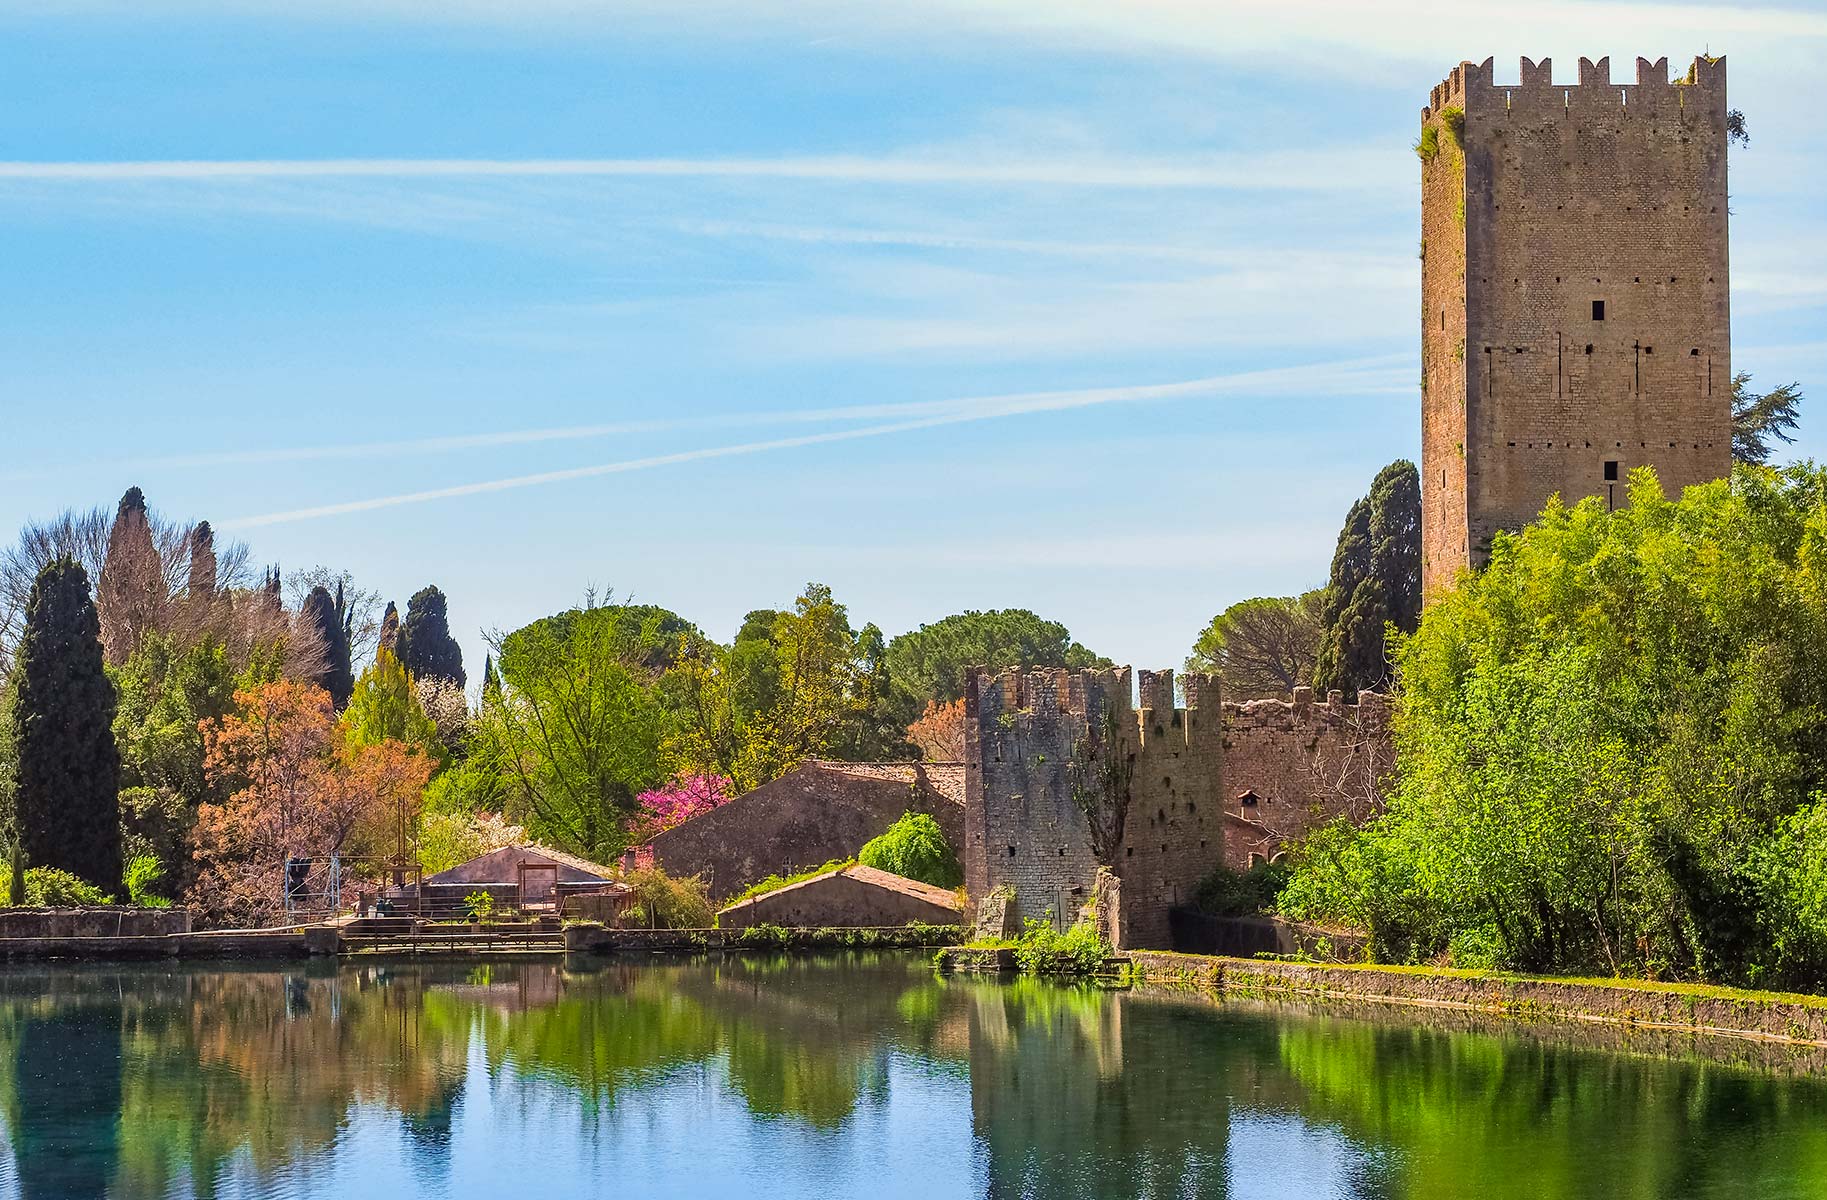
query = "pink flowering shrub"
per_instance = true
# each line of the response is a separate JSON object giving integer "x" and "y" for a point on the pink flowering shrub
{"x": 686, "y": 797}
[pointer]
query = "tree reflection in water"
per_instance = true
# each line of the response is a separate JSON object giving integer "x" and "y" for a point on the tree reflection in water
{"x": 812, "y": 1076}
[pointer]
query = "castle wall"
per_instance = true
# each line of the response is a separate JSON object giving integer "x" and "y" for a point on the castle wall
{"x": 1306, "y": 763}
{"x": 1599, "y": 192}
{"x": 1025, "y": 831}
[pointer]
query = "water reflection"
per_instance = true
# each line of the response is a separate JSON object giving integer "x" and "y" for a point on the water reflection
{"x": 833, "y": 1077}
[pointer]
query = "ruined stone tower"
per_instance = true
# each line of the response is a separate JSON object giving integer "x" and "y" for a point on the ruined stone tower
{"x": 1575, "y": 316}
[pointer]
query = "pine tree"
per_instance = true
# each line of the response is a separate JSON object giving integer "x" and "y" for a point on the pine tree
{"x": 1376, "y": 582}
{"x": 426, "y": 646}
{"x": 69, "y": 768}
{"x": 319, "y": 614}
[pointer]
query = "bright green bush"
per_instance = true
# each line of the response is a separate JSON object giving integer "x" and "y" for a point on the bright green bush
{"x": 48, "y": 887}
{"x": 144, "y": 874}
{"x": 1043, "y": 950}
{"x": 1610, "y": 745}
{"x": 914, "y": 847}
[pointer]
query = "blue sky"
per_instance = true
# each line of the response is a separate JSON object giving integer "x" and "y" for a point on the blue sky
{"x": 1104, "y": 310}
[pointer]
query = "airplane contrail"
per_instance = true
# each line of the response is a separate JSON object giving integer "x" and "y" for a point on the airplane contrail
{"x": 1357, "y": 373}
{"x": 1212, "y": 172}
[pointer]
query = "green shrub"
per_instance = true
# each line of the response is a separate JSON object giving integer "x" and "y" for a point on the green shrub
{"x": 48, "y": 887}
{"x": 663, "y": 902}
{"x": 914, "y": 847}
{"x": 481, "y": 905}
{"x": 1228, "y": 893}
{"x": 1044, "y": 950}
{"x": 144, "y": 874}
{"x": 1428, "y": 148}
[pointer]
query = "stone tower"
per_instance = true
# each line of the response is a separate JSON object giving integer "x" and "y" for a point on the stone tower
{"x": 1575, "y": 316}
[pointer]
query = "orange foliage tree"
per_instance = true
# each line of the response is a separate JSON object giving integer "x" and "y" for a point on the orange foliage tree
{"x": 296, "y": 789}
{"x": 939, "y": 732}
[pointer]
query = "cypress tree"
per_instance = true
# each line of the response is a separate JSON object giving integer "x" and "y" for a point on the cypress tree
{"x": 390, "y": 630}
{"x": 68, "y": 791}
{"x": 1376, "y": 582}
{"x": 426, "y": 646}
{"x": 130, "y": 595}
{"x": 338, "y": 678}
{"x": 201, "y": 583}
{"x": 491, "y": 682}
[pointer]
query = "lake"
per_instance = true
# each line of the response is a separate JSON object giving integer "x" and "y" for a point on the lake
{"x": 855, "y": 1075}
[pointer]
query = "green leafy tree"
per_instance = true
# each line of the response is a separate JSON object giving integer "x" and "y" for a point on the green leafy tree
{"x": 1612, "y": 749}
{"x": 69, "y": 767}
{"x": 577, "y": 731}
{"x": 1262, "y": 647}
{"x": 1376, "y": 583}
{"x": 914, "y": 847}
{"x": 166, "y": 693}
{"x": 796, "y": 684}
{"x": 1758, "y": 420}
{"x": 928, "y": 663}
{"x": 321, "y": 620}
{"x": 425, "y": 645}
{"x": 385, "y": 704}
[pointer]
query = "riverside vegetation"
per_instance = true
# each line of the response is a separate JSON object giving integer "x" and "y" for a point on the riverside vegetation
{"x": 1612, "y": 750}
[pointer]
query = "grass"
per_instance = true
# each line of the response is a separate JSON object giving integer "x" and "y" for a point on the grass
{"x": 774, "y": 883}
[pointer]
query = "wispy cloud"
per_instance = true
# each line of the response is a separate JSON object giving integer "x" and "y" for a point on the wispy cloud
{"x": 1319, "y": 169}
{"x": 1354, "y": 376}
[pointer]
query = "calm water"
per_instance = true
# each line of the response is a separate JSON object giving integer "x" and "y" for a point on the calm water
{"x": 857, "y": 1076}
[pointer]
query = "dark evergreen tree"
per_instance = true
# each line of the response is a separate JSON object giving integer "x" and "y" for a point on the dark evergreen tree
{"x": 1376, "y": 582}
{"x": 337, "y": 677}
{"x": 426, "y": 648}
{"x": 68, "y": 780}
{"x": 1758, "y": 421}
{"x": 491, "y": 682}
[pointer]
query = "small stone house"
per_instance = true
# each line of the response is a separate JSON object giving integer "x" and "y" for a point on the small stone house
{"x": 527, "y": 875}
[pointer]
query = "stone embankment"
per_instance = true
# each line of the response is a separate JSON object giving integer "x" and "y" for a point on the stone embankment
{"x": 605, "y": 940}
{"x": 1765, "y": 1016}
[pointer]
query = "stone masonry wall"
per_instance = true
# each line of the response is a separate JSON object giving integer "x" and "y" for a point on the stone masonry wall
{"x": 1573, "y": 196}
{"x": 812, "y": 815}
{"x": 1024, "y": 830}
{"x": 1305, "y": 762}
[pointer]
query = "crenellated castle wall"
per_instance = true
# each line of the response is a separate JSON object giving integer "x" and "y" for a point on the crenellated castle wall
{"x": 1026, "y": 832}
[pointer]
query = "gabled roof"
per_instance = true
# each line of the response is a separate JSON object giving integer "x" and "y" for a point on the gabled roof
{"x": 861, "y": 874}
{"x": 520, "y": 852}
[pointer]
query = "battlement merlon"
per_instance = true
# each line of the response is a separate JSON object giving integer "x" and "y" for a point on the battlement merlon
{"x": 1017, "y": 699}
{"x": 1473, "y": 87}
